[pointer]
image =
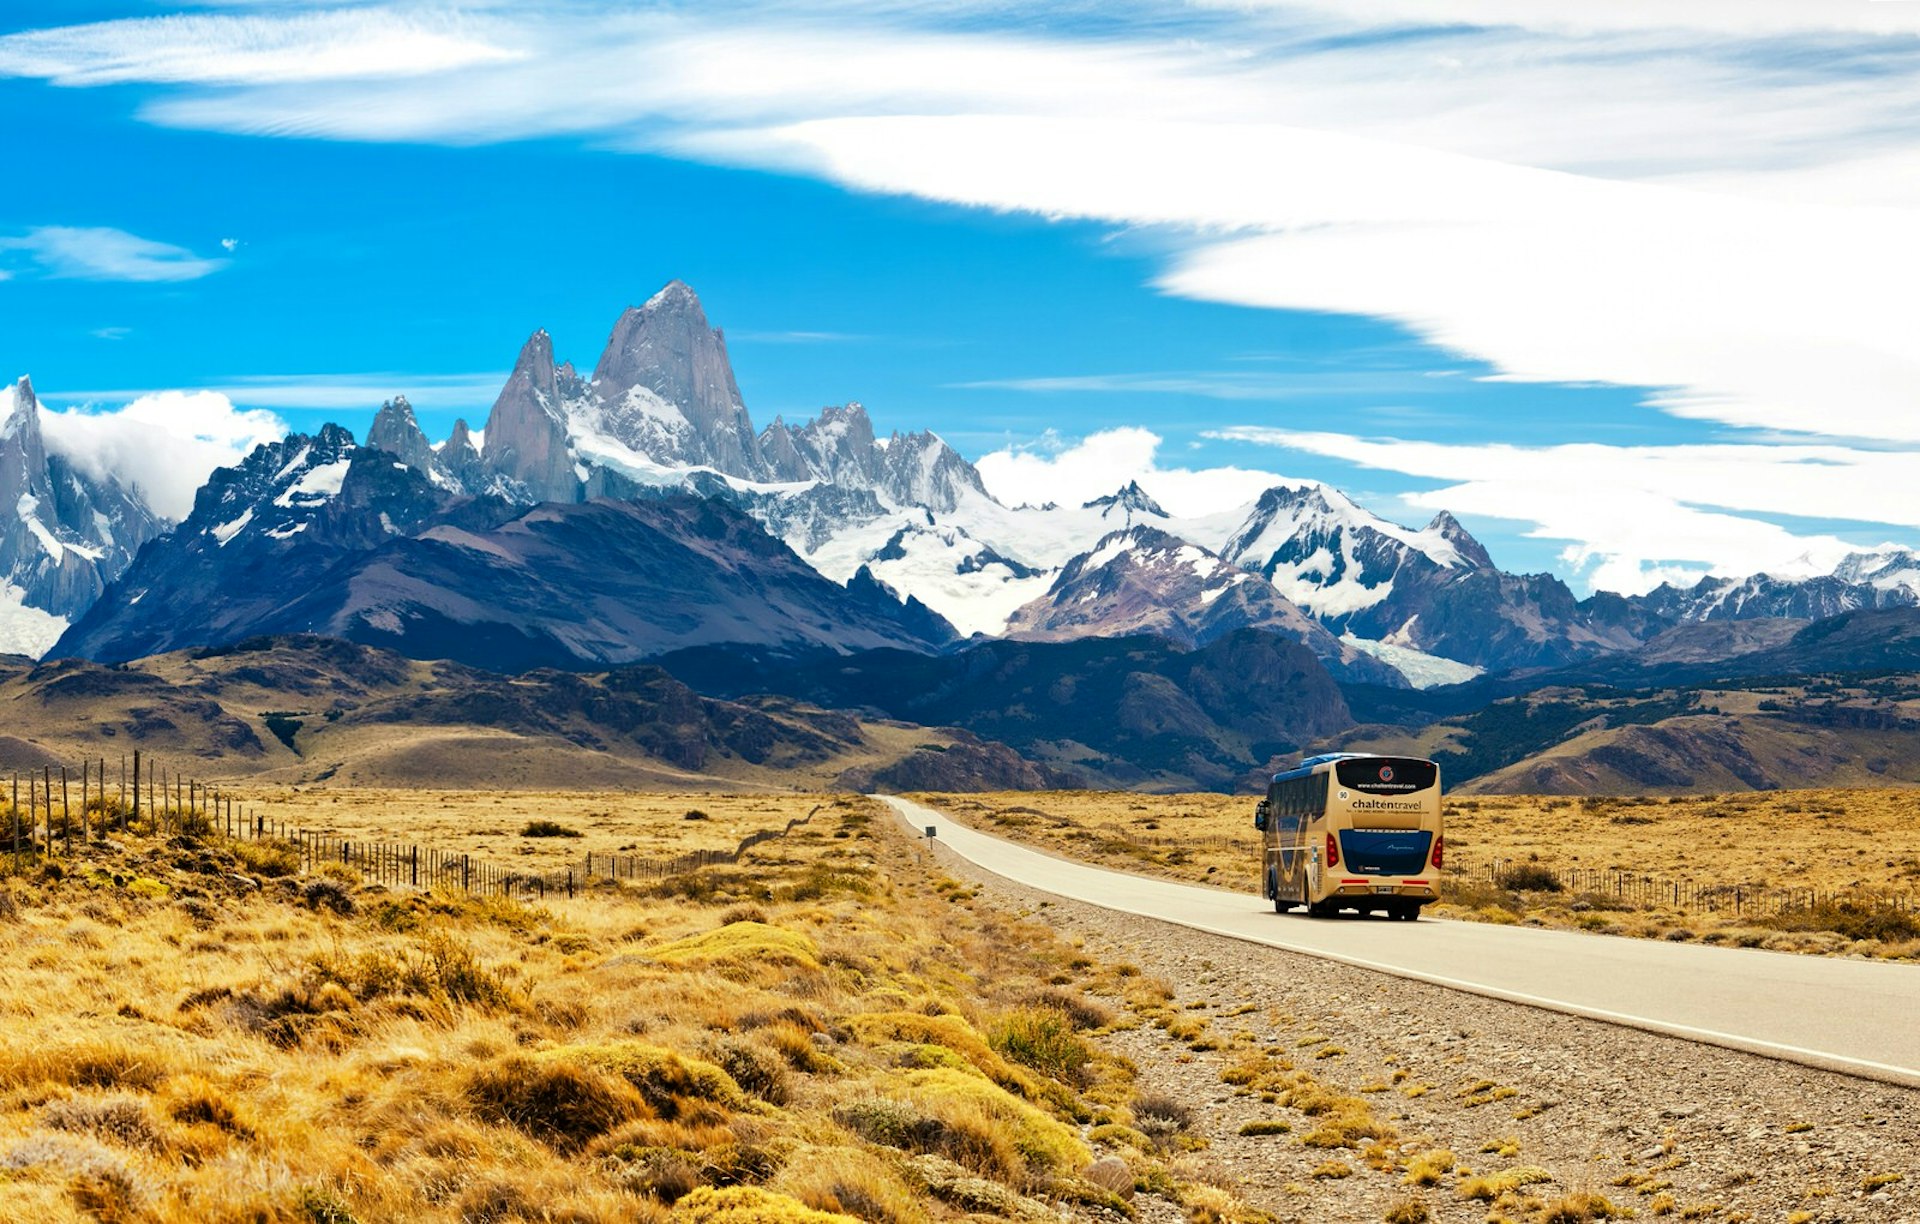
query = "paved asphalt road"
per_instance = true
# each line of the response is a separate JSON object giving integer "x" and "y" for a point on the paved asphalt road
{"x": 1861, "y": 1017}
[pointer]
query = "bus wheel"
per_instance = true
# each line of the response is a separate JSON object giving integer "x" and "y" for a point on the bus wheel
{"x": 1273, "y": 890}
{"x": 1408, "y": 911}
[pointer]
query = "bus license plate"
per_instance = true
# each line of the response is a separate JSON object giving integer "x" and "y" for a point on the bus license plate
{"x": 1386, "y": 888}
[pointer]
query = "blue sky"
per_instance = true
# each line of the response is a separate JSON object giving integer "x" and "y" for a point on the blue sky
{"x": 1615, "y": 289}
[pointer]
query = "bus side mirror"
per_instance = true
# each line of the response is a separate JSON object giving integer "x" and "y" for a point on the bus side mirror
{"x": 1260, "y": 817}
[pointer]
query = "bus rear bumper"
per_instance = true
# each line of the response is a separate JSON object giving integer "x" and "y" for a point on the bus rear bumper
{"x": 1421, "y": 892}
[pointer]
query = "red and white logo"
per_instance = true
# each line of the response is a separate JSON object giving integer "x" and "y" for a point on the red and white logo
{"x": 1386, "y": 773}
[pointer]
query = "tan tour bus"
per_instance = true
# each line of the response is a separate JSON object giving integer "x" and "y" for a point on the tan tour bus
{"x": 1349, "y": 831}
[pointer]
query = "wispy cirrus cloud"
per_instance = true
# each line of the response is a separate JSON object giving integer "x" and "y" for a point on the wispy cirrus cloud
{"x": 1385, "y": 159}
{"x": 1211, "y": 384}
{"x": 317, "y": 45}
{"x": 797, "y": 337}
{"x": 102, "y": 253}
{"x": 326, "y": 392}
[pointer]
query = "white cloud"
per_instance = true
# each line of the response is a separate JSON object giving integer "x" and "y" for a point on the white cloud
{"x": 105, "y": 254}
{"x": 226, "y": 50}
{"x": 165, "y": 444}
{"x": 1753, "y": 313}
{"x": 1642, "y": 515}
{"x": 1073, "y": 474}
{"x": 1737, "y": 17}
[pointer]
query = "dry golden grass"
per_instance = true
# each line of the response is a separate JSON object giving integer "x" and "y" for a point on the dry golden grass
{"x": 489, "y": 824}
{"x": 828, "y": 1030}
{"x": 1827, "y": 840}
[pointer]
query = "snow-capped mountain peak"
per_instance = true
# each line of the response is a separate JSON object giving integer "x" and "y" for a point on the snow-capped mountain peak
{"x": 277, "y": 491}
{"x": 1127, "y": 506}
{"x": 1467, "y": 550}
{"x": 1331, "y": 556}
{"x": 1886, "y": 569}
{"x": 1143, "y": 580}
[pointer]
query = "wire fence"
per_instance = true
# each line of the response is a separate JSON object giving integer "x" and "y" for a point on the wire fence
{"x": 148, "y": 798}
{"x": 1645, "y": 891}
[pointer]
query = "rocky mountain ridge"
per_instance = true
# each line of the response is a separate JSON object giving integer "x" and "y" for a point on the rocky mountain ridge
{"x": 662, "y": 414}
{"x": 316, "y": 534}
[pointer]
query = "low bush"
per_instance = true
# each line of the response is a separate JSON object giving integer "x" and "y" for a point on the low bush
{"x": 1081, "y": 1010}
{"x": 1158, "y": 1114}
{"x": 1850, "y": 919}
{"x": 272, "y": 859}
{"x": 1530, "y": 877}
{"x": 558, "y": 1101}
{"x": 757, "y": 1070}
{"x": 549, "y": 828}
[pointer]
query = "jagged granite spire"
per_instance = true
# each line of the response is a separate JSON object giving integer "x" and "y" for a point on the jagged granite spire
{"x": 396, "y": 431}
{"x": 527, "y": 431}
{"x": 66, "y": 528}
{"x": 666, "y": 388}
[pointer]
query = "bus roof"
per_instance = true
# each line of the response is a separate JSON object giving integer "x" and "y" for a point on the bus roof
{"x": 1326, "y": 758}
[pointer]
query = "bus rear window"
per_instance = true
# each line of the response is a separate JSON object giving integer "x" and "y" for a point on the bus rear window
{"x": 1386, "y": 775}
{"x": 1379, "y": 852}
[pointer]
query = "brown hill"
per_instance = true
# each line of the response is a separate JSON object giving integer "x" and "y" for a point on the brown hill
{"x": 313, "y": 709}
{"x": 1713, "y": 753}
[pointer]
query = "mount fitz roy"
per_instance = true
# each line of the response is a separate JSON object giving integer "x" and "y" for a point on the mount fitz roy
{"x": 636, "y": 511}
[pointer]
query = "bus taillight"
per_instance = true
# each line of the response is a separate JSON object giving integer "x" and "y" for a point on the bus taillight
{"x": 1333, "y": 851}
{"x": 1439, "y": 849}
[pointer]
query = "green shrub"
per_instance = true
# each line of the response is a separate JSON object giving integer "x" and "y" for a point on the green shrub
{"x": 1041, "y": 1038}
{"x": 549, "y": 828}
